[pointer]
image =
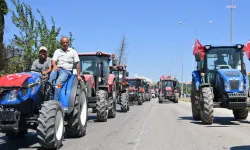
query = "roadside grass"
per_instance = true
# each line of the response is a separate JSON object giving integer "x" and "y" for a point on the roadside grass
{"x": 185, "y": 99}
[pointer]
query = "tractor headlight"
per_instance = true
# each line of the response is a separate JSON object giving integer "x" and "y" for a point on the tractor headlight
{"x": 241, "y": 86}
{"x": 208, "y": 47}
{"x": 227, "y": 87}
{"x": 12, "y": 95}
{"x": 239, "y": 46}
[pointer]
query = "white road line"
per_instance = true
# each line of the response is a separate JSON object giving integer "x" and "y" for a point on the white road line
{"x": 138, "y": 139}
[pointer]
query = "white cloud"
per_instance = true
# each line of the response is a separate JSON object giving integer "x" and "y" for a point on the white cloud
{"x": 143, "y": 77}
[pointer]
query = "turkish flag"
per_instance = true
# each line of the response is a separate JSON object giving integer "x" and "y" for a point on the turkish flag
{"x": 162, "y": 77}
{"x": 13, "y": 79}
{"x": 198, "y": 47}
{"x": 169, "y": 77}
{"x": 247, "y": 49}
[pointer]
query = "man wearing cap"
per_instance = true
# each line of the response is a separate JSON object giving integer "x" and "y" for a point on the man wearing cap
{"x": 43, "y": 63}
{"x": 63, "y": 61}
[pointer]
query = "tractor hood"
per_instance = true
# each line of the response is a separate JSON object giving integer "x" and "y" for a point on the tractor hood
{"x": 233, "y": 80}
{"x": 131, "y": 88}
{"x": 168, "y": 89}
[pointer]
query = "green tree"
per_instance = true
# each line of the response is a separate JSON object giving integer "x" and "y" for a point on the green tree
{"x": 121, "y": 52}
{"x": 33, "y": 33}
{"x": 3, "y": 12}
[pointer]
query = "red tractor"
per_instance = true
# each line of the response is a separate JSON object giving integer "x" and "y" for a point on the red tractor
{"x": 136, "y": 90}
{"x": 121, "y": 85}
{"x": 100, "y": 83}
{"x": 168, "y": 89}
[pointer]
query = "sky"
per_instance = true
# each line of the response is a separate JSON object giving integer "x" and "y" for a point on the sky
{"x": 155, "y": 38}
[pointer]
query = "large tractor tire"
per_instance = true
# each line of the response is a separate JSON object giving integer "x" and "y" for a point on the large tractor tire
{"x": 160, "y": 98}
{"x": 124, "y": 102}
{"x": 240, "y": 114}
{"x": 77, "y": 119}
{"x": 140, "y": 99}
{"x": 195, "y": 110}
{"x": 102, "y": 106}
{"x": 207, "y": 110}
{"x": 112, "y": 111}
{"x": 50, "y": 128}
{"x": 176, "y": 98}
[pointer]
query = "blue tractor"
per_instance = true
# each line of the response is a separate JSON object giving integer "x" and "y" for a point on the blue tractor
{"x": 29, "y": 102}
{"x": 220, "y": 81}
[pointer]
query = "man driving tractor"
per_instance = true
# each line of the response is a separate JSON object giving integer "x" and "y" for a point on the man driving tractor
{"x": 220, "y": 60}
{"x": 43, "y": 63}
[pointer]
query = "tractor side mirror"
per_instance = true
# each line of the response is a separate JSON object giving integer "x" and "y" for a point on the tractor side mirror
{"x": 127, "y": 74}
{"x": 198, "y": 57}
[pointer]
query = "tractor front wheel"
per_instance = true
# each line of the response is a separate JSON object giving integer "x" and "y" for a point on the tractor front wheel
{"x": 102, "y": 106}
{"x": 124, "y": 102}
{"x": 240, "y": 114}
{"x": 51, "y": 125}
{"x": 207, "y": 110}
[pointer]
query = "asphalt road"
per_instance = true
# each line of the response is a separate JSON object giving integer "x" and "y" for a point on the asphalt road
{"x": 153, "y": 126}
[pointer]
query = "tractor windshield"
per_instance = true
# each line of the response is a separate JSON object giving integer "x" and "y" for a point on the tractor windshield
{"x": 223, "y": 58}
{"x": 132, "y": 83}
{"x": 95, "y": 65}
{"x": 166, "y": 83}
{"x": 118, "y": 75}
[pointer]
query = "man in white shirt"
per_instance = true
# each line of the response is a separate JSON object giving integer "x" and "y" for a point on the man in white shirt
{"x": 63, "y": 61}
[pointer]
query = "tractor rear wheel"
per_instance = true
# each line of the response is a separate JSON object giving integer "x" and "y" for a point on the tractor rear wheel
{"x": 77, "y": 122}
{"x": 50, "y": 128}
{"x": 102, "y": 106}
{"x": 207, "y": 110}
{"x": 124, "y": 102}
{"x": 240, "y": 114}
{"x": 195, "y": 109}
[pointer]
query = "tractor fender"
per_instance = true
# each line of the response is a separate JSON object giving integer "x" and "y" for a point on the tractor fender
{"x": 197, "y": 79}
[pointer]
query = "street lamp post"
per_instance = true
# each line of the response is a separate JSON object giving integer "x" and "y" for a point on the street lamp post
{"x": 231, "y": 6}
{"x": 195, "y": 30}
{"x": 182, "y": 73}
{"x": 181, "y": 70}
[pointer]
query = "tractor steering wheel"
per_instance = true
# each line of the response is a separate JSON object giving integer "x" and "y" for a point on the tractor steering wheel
{"x": 223, "y": 67}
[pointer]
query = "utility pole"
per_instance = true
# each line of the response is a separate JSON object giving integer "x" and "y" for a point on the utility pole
{"x": 182, "y": 73}
{"x": 231, "y": 6}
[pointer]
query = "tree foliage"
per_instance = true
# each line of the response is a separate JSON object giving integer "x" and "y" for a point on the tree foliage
{"x": 3, "y": 12}
{"x": 33, "y": 33}
{"x": 121, "y": 52}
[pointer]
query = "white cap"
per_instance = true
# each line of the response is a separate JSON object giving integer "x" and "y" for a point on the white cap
{"x": 43, "y": 48}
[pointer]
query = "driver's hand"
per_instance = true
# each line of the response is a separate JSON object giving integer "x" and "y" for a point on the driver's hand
{"x": 55, "y": 68}
{"x": 44, "y": 73}
{"x": 79, "y": 77}
{"x": 44, "y": 76}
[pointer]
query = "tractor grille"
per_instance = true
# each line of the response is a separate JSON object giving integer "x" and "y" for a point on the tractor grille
{"x": 232, "y": 74}
{"x": 234, "y": 84}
